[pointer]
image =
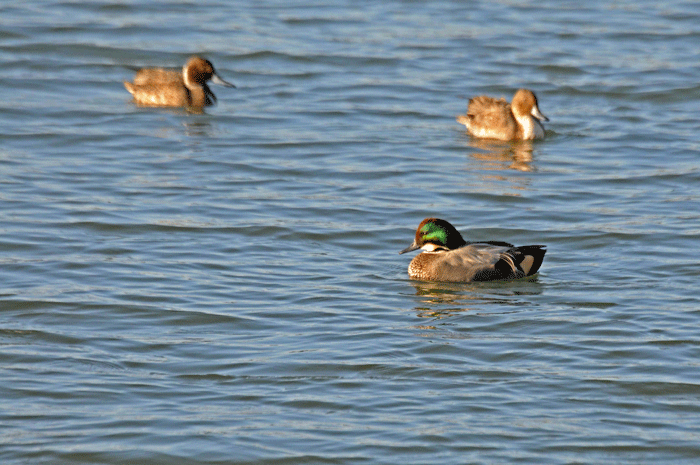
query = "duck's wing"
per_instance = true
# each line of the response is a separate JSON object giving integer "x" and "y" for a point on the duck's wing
{"x": 489, "y": 118}
{"x": 152, "y": 95}
{"x": 490, "y": 261}
{"x": 472, "y": 262}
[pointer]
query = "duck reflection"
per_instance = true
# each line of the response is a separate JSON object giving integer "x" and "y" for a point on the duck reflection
{"x": 496, "y": 155}
{"x": 441, "y": 300}
{"x": 198, "y": 127}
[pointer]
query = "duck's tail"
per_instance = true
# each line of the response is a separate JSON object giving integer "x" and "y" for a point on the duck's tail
{"x": 528, "y": 258}
{"x": 464, "y": 119}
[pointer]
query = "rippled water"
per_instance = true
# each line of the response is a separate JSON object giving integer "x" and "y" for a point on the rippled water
{"x": 226, "y": 288}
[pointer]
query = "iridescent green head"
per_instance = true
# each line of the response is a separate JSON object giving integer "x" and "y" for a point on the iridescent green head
{"x": 433, "y": 234}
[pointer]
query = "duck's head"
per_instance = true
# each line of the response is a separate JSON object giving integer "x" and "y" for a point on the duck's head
{"x": 197, "y": 71}
{"x": 525, "y": 103}
{"x": 434, "y": 234}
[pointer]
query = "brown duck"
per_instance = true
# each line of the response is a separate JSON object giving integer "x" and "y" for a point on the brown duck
{"x": 160, "y": 87}
{"x": 489, "y": 118}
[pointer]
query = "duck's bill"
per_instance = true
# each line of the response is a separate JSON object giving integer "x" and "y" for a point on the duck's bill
{"x": 217, "y": 80}
{"x": 537, "y": 114}
{"x": 410, "y": 248}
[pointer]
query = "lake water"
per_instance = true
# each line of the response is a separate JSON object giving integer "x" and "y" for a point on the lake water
{"x": 226, "y": 287}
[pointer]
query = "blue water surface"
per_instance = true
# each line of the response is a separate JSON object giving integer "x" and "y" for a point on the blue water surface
{"x": 225, "y": 287}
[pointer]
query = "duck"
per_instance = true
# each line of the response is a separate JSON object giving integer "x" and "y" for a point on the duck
{"x": 491, "y": 118}
{"x": 448, "y": 257}
{"x": 160, "y": 87}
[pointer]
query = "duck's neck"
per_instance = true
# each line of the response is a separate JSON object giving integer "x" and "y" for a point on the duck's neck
{"x": 456, "y": 242}
{"x": 185, "y": 77}
{"x": 530, "y": 127}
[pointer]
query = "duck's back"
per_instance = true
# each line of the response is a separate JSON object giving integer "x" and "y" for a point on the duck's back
{"x": 147, "y": 76}
{"x": 490, "y": 118}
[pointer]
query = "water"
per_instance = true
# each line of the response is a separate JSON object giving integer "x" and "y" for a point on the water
{"x": 226, "y": 288}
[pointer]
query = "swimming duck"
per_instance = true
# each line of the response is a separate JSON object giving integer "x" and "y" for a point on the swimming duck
{"x": 159, "y": 87}
{"x": 448, "y": 257}
{"x": 497, "y": 119}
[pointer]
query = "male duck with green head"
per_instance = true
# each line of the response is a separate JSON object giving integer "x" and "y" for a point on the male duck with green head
{"x": 447, "y": 256}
